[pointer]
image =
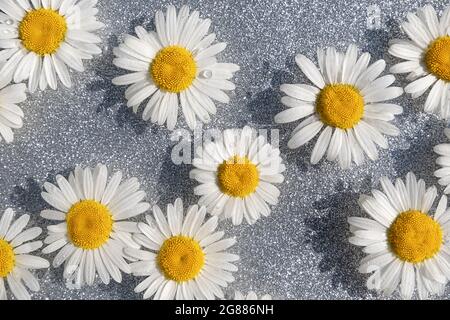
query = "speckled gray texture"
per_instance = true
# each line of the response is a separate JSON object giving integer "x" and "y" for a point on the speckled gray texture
{"x": 301, "y": 250}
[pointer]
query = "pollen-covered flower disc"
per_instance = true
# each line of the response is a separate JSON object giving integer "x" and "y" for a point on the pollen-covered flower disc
{"x": 237, "y": 175}
{"x": 406, "y": 245}
{"x": 346, "y": 106}
{"x": 176, "y": 65}
{"x": 42, "y": 39}
{"x": 427, "y": 58}
{"x": 92, "y": 228}
{"x": 184, "y": 256}
{"x": 15, "y": 257}
{"x": 10, "y": 113}
{"x": 250, "y": 296}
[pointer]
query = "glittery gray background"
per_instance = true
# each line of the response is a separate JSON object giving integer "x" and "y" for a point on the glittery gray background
{"x": 301, "y": 250}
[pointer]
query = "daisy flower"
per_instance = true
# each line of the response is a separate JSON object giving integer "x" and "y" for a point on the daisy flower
{"x": 406, "y": 245}
{"x": 41, "y": 39}
{"x": 250, "y": 296}
{"x": 426, "y": 58}
{"x": 10, "y": 113}
{"x": 176, "y": 65}
{"x": 15, "y": 260}
{"x": 92, "y": 229}
{"x": 186, "y": 258}
{"x": 237, "y": 175}
{"x": 443, "y": 150}
{"x": 347, "y": 100}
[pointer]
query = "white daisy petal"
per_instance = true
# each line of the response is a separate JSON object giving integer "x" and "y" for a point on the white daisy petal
{"x": 188, "y": 32}
{"x": 407, "y": 281}
{"x": 5, "y": 221}
{"x": 335, "y": 145}
{"x": 66, "y": 189}
{"x": 42, "y": 68}
{"x": 392, "y": 255}
{"x": 31, "y": 262}
{"x": 100, "y": 267}
{"x": 17, "y": 288}
{"x": 159, "y": 283}
{"x": 85, "y": 254}
{"x": 339, "y": 71}
{"x": 241, "y": 144}
{"x": 304, "y": 135}
{"x": 428, "y": 199}
{"x": 357, "y": 153}
{"x": 441, "y": 207}
{"x": 349, "y": 62}
{"x": 310, "y": 70}
{"x": 421, "y": 84}
{"x": 112, "y": 269}
{"x": 17, "y": 227}
{"x": 425, "y": 30}
{"x": 64, "y": 254}
{"x": 25, "y": 236}
{"x": 54, "y": 246}
{"x": 300, "y": 92}
{"x": 111, "y": 188}
{"x": 404, "y": 67}
{"x": 294, "y": 114}
{"x": 28, "y": 279}
{"x": 53, "y": 215}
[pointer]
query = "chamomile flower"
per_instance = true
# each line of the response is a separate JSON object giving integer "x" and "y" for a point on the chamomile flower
{"x": 443, "y": 150}
{"x": 250, "y": 296}
{"x": 92, "y": 229}
{"x": 176, "y": 65}
{"x": 15, "y": 258}
{"x": 41, "y": 39}
{"x": 237, "y": 175}
{"x": 186, "y": 258}
{"x": 346, "y": 100}
{"x": 10, "y": 113}
{"x": 426, "y": 58}
{"x": 406, "y": 245}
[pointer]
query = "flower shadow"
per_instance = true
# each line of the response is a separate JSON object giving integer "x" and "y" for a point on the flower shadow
{"x": 115, "y": 95}
{"x": 328, "y": 237}
{"x": 174, "y": 182}
{"x": 419, "y": 156}
{"x": 266, "y": 104}
{"x": 378, "y": 40}
{"x": 28, "y": 197}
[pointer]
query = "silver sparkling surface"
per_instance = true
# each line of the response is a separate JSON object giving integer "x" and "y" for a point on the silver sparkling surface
{"x": 301, "y": 250}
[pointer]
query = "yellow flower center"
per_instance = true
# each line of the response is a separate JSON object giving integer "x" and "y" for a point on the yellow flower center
{"x": 173, "y": 69}
{"x": 340, "y": 105}
{"x": 437, "y": 58}
{"x": 42, "y": 31}
{"x": 181, "y": 258}
{"x": 414, "y": 236}
{"x": 238, "y": 177}
{"x": 89, "y": 224}
{"x": 7, "y": 258}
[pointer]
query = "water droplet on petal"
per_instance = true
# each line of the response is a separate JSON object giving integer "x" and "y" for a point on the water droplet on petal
{"x": 206, "y": 74}
{"x": 9, "y": 22}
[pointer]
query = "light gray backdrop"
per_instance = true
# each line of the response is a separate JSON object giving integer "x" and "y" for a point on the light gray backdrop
{"x": 301, "y": 250}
